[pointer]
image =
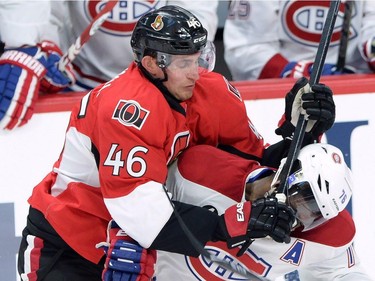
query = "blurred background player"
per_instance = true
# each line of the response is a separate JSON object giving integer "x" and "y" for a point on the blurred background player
{"x": 26, "y": 25}
{"x": 271, "y": 39}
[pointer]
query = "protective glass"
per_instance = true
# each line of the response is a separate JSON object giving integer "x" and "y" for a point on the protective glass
{"x": 207, "y": 59}
{"x": 301, "y": 199}
{"x": 203, "y": 62}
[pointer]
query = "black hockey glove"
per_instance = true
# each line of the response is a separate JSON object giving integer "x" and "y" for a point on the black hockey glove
{"x": 315, "y": 102}
{"x": 264, "y": 217}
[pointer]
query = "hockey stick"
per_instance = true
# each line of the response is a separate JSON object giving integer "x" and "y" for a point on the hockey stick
{"x": 316, "y": 72}
{"x": 227, "y": 264}
{"x": 89, "y": 31}
{"x": 345, "y": 33}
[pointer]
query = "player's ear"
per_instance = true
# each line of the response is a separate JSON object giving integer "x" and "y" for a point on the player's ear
{"x": 149, "y": 63}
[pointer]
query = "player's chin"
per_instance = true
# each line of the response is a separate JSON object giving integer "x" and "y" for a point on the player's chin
{"x": 186, "y": 93}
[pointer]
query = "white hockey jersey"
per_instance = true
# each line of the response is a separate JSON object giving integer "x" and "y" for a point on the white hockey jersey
{"x": 108, "y": 51}
{"x": 256, "y": 31}
{"x": 324, "y": 253}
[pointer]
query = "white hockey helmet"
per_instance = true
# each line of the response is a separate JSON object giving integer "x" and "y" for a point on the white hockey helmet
{"x": 320, "y": 185}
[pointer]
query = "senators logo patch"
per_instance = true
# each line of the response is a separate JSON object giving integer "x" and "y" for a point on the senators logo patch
{"x": 158, "y": 24}
{"x": 130, "y": 113}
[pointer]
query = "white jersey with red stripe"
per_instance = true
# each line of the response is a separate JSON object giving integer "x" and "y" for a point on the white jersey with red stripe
{"x": 108, "y": 51}
{"x": 290, "y": 32}
{"x": 208, "y": 177}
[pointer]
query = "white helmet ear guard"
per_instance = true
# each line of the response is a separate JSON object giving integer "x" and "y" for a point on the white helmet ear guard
{"x": 320, "y": 185}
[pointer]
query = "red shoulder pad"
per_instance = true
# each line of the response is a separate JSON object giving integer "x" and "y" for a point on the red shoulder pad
{"x": 327, "y": 233}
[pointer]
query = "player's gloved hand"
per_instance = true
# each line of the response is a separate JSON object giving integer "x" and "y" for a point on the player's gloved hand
{"x": 55, "y": 80}
{"x": 248, "y": 220}
{"x": 20, "y": 75}
{"x": 126, "y": 260}
{"x": 369, "y": 52}
{"x": 303, "y": 69}
{"x": 315, "y": 102}
{"x": 22, "y": 71}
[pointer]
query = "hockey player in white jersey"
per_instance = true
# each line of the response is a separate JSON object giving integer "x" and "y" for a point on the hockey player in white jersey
{"x": 320, "y": 187}
{"x": 271, "y": 39}
{"x": 26, "y": 25}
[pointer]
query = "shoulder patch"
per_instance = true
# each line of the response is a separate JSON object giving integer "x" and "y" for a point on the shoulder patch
{"x": 130, "y": 113}
{"x": 294, "y": 254}
{"x": 233, "y": 89}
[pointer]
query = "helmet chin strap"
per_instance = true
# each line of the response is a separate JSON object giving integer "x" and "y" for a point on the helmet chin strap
{"x": 165, "y": 74}
{"x": 149, "y": 76}
{"x": 152, "y": 78}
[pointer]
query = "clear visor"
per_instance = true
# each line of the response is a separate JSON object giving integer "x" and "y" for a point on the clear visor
{"x": 202, "y": 62}
{"x": 301, "y": 199}
{"x": 207, "y": 59}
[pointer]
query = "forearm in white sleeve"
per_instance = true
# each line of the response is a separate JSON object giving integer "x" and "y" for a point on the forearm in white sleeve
{"x": 344, "y": 265}
{"x": 250, "y": 38}
{"x": 142, "y": 213}
{"x": 24, "y": 22}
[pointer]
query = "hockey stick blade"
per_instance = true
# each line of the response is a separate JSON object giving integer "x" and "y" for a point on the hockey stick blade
{"x": 316, "y": 72}
{"x": 89, "y": 31}
{"x": 345, "y": 34}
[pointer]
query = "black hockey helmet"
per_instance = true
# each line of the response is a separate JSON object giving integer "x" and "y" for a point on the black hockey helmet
{"x": 170, "y": 30}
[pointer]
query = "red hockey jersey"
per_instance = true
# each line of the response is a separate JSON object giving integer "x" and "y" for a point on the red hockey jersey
{"x": 119, "y": 141}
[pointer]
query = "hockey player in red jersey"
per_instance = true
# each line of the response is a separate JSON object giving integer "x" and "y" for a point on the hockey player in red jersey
{"x": 120, "y": 140}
